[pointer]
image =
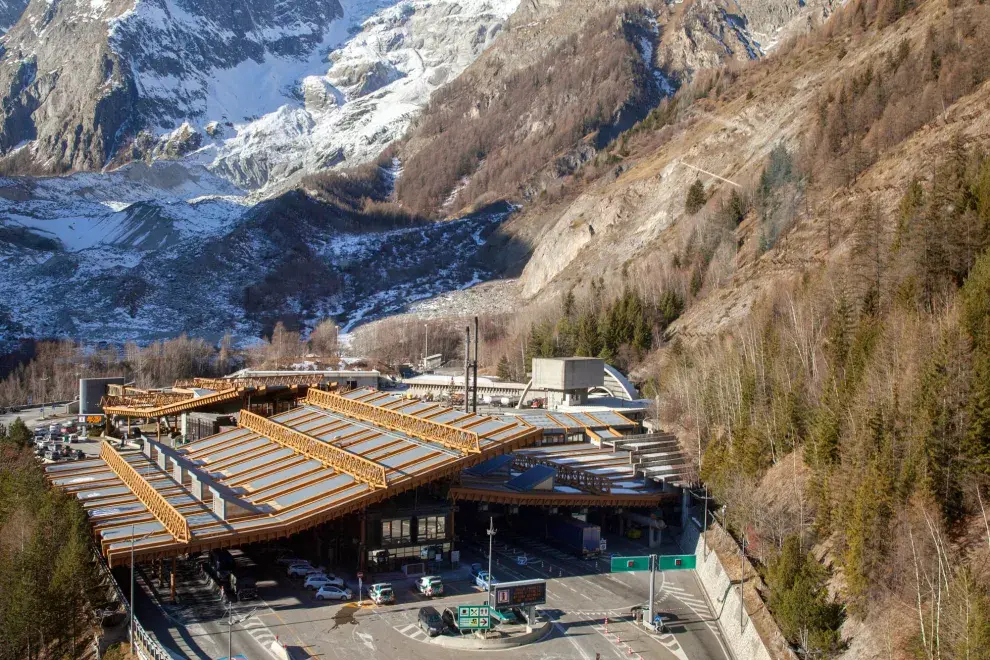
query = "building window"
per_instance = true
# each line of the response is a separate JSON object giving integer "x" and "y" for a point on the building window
{"x": 432, "y": 527}
{"x": 396, "y": 531}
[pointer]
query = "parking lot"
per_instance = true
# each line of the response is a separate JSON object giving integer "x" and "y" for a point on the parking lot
{"x": 57, "y": 417}
{"x": 580, "y": 596}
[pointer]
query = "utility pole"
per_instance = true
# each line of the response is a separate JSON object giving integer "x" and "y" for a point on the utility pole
{"x": 426, "y": 348}
{"x": 467, "y": 369}
{"x": 44, "y": 394}
{"x": 130, "y": 627}
{"x": 230, "y": 626}
{"x": 474, "y": 404}
{"x": 491, "y": 539}
{"x": 704, "y": 525}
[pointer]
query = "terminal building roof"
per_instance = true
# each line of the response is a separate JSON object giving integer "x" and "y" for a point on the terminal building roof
{"x": 583, "y": 474}
{"x": 271, "y": 477}
{"x": 601, "y": 423}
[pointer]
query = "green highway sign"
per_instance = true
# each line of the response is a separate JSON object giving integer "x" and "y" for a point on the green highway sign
{"x": 473, "y": 617}
{"x": 630, "y": 564}
{"x": 677, "y": 562}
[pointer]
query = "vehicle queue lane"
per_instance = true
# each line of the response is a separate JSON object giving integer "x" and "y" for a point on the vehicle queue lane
{"x": 581, "y": 595}
{"x": 576, "y": 582}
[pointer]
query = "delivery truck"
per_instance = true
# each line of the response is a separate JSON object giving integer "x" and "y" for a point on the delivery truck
{"x": 579, "y": 537}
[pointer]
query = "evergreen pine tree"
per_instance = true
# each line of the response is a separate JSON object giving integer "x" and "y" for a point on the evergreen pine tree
{"x": 503, "y": 370}
{"x": 588, "y": 340}
{"x": 19, "y": 434}
{"x": 643, "y": 336}
{"x": 976, "y": 320}
{"x": 567, "y": 304}
{"x": 696, "y": 197}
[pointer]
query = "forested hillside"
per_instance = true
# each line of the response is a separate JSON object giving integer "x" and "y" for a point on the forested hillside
{"x": 816, "y": 324}
{"x": 49, "y": 583}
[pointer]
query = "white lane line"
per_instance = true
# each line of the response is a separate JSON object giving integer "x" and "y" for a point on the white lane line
{"x": 577, "y": 647}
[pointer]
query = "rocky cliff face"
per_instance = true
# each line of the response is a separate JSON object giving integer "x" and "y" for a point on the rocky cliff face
{"x": 260, "y": 90}
{"x": 75, "y": 261}
{"x": 81, "y": 78}
{"x": 246, "y": 97}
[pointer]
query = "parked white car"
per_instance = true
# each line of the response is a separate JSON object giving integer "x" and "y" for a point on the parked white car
{"x": 301, "y": 570}
{"x": 317, "y": 580}
{"x": 330, "y": 592}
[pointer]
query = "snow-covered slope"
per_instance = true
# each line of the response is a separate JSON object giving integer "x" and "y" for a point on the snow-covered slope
{"x": 255, "y": 90}
{"x": 374, "y": 85}
{"x": 76, "y": 262}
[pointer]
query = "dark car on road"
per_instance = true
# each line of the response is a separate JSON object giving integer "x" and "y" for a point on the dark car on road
{"x": 430, "y": 621}
{"x": 449, "y": 617}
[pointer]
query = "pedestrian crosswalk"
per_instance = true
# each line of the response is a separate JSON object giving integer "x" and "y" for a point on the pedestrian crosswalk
{"x": 254, "y": 626}
{"x": 692, "y": 600}
{"x": 412, "y": 631}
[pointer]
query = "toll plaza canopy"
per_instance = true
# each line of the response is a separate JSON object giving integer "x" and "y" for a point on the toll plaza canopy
{"x": 271, "y": 477}
{"x": 201, "y": 393}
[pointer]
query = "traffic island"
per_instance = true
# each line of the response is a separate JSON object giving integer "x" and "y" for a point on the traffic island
{"x": 504, "y": 637}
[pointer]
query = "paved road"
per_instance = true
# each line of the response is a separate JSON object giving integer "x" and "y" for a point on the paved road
{"x": 580, "y": 596}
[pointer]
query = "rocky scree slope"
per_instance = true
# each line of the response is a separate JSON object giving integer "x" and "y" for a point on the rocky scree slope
{"x": 10, "y": 11}
{"x": 136, "y": 245}
{"x": 563, "y": 82}
{"x": 631, "y": 225}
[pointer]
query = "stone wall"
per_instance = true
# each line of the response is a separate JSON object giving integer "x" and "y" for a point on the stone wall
{"x": 757, "y": 636}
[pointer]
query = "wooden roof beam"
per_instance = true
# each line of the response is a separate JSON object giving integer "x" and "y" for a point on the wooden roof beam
{"x": 332, "y": 456}
{"x": 424, "y": 429}
{"x": 167, "y": 515}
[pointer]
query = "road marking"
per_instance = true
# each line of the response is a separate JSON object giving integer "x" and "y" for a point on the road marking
{"x": 410, "y": 630}
{"x": 366, "y": 639}
{"x": 577, "y": 647}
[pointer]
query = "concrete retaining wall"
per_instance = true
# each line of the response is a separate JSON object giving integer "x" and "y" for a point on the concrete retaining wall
{"x": 723, "y": 596}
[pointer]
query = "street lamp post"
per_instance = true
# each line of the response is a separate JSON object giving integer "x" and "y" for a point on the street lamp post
{"x": 44, "y": 394}
{"x": 491, "y": 538}
{"x": 230, "y": 625}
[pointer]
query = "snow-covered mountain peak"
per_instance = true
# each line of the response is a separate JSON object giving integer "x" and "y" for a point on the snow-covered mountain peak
{"x": 257, "y": 90}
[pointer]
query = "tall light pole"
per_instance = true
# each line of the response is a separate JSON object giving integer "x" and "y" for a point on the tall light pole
{"x": 44, "y": 394}
{"x": 491, "y": 538}
{"x": 230, "y": 624}
{"x": 742, "y": 582}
